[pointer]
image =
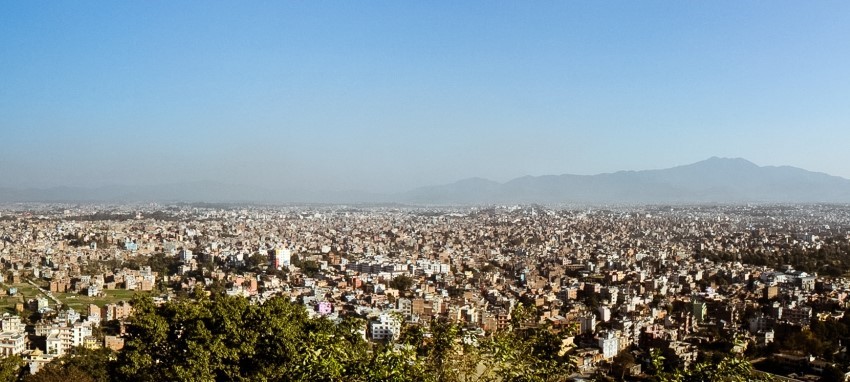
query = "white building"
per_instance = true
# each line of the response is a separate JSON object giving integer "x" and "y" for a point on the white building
{"x": 186, "y": 255}
{"x": 281, "y": 258}
{"x": 609, "y": 343}
{"x": 11, "y": 324}
{"x": 13, "y": 338}
{"x": 62, "y": 338}
{"x": 587, "y": 323}
{"x": 68, "y": 316}
{"x": 386, "y": 327}
{"x": 54, "y": 344}
{"x": 605, "y": 313}
{"x": 405, "y": 306}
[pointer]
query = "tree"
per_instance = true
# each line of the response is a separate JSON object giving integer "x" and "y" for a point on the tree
{"x": 310, "y": 268}
{"x": 163, "y": 264}
{"x": 57, "y": 372}
{"x": 256, "y": 262}
{"x": 95, "y": 363}
{"x": 394, "y": 364}
{"x": 402, "y": 283}
{"x": 10, "y": 368}
{"x": 832, "y": 374}
{"x": 525, "y": 352}
{"x": 146, "y": 344}
{"x": 197, "y": 338}
{"x": 80, "y": 364}
{"x": 229, "y": 338}
{"x": 728, "y": 369}
{"x": 441, "y": 351}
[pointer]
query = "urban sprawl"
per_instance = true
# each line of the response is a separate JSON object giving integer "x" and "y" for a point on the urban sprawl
{"x": 764, "y": 282}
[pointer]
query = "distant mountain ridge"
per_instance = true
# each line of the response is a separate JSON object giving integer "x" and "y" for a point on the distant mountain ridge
{"x": 715, "y": 180}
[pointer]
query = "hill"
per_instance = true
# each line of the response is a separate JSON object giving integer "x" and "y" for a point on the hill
{"x": 715, "y": 180}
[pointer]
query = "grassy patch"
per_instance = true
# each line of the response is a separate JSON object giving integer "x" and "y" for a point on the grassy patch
{"x": 81, "y": 302}
{"x": 25, "y": 292}
{"x": 7, "y": 304}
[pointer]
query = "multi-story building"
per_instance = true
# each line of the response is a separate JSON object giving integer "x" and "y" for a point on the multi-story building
{"x": 609, "y": 344}
{"x": 385, "y": 327}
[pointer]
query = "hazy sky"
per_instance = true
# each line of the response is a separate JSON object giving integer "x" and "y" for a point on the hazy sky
{"x": 387, "y": 96}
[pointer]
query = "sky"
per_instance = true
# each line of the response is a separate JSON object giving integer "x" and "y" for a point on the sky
{"x": 389, "y": 96}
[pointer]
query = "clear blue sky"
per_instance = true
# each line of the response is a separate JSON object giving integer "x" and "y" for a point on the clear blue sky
{"x": 387, "y": 96}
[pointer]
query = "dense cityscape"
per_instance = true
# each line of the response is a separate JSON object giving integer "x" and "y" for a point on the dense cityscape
{"x": 446, "y": 191}
{"x": 633, "y": 293}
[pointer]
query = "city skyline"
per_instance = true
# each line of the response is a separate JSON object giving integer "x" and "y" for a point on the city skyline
{"x": 385, "y": 97}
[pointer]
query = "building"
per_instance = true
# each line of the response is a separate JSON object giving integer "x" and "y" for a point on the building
{"x": 280, "y": 258}
{"x": 54, "y": 344}
{"x": 771, "y": 292}
{"x": 119, "y": 311}
{"x": 12, "y": 343}
{"x": 587, "y": 323}
{"x": 113, "y": 342}
{"x": 13, "y": 336}
{"x": 386, "y": 326}
{"x": 324, "y": 308}
{"x": 605, "y": 313}
{"x": 37, "y": 359}
{"x": 609, "y": 343}
{"x": 700, "y": 309}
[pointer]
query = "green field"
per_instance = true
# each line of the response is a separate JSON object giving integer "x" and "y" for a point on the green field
{"x": 25, "y": 292}
{"x": 80, "y": 302}
{"x": 7, "y": 304}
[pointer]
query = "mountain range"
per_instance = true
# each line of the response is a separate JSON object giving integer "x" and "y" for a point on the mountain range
{"x": 715, "y": 180}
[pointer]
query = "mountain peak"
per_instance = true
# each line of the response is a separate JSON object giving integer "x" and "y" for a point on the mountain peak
{"x": 725, "y": 162}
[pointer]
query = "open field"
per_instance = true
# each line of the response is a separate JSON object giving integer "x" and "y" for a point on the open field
{"x": 7, "y": 304}
{"x": 77, "y": 301}
{"x": 25, "y": 292}
{"x": 80, "y": 302}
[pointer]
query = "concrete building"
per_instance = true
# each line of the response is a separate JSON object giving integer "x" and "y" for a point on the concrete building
{"x": 385, "y": 327}
{"x": 609, "y": 344}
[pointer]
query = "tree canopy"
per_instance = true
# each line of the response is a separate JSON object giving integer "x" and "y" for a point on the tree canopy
{"x": 198, "y": 338}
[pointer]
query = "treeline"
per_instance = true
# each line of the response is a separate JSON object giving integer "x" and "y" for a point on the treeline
{"x": 831, "y": 259}
{"x": 230, "y": 339}
{"x": 199, "y": 338}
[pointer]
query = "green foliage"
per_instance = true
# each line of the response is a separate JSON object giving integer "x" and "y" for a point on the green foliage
{"x": 230, "y": 339}
{"x": 529, "y": 352}
{"x": 164, "y": 265}
{"x": 402, "y": 283}
{"x": 522, "y": 314}
{"x": 393, "y": 364}
{"x": 94, "y": 363}
{"x": 829, "y": 259}
{"x": 10, "y": 368}
{"x": 79, "y": 364}
{"x": 256, "y": 262}
{"x": 515, "y": 356}
{"x": 310, "y": 268}
{"x": 728, "y": 369}
{"x": 805, "y": 342}
{"x": 225, "y": 338}
{"x": 55, "y": 372}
